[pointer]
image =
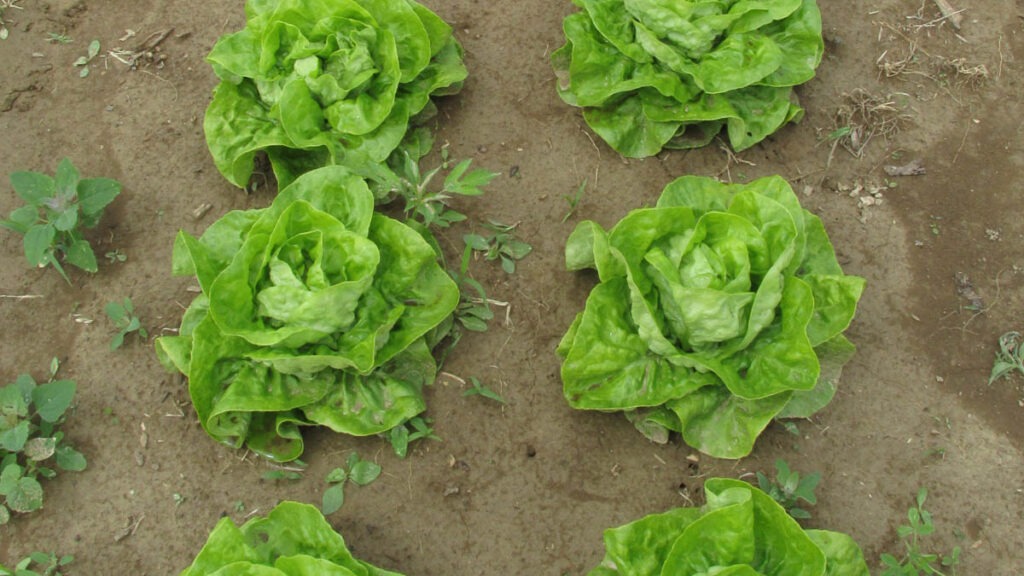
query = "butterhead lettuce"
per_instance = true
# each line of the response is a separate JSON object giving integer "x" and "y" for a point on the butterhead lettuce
{"x": 292, "y": 540}
{"x": 318, "y": 82}
{"x": 741, "y": 531}
{"x": 653, "y": 74}
{"x": 314, "y": 311}
{"x": 717, "y": 310}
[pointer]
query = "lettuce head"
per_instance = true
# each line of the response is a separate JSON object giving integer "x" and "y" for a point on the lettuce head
{"x": 653, "y": 74}
{"x": 314, "y": 311}
{"x": 741, "y": 531}
{"x": 292, "y": 540}
{"x": 318, "y": 82}
{"x": 717, "y": 310}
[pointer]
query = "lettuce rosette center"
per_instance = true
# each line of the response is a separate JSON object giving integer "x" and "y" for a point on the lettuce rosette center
{"x": 718, "y": 310}
{"x": 315, "y": 310}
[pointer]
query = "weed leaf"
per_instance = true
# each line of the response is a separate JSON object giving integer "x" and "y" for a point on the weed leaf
{"x": 53, "y": 398}
{"x": 364, "y": 472}
{"x": 333, "y": 499}
{"x": 80, "y": 254}
{"x": 94, "y": 194}
{"x": 33, "y": 187}
{"x": 13, "y": 440}
{"x": 337, "y": 475}
{"x": 39, "y": 449}
{"x": 37, "y": 243}
{"x": 27, "y": 496}
{"x": 70, "y": 459}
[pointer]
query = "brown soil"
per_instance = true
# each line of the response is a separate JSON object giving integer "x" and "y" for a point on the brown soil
{"x": 527, "y": 488}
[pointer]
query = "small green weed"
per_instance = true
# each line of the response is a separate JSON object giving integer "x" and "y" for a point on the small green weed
{"x": 839, "y": 133}
{"x": 360, "y": 472}
{"x": 430, "y": 208}
{"x": 83, "y": 61}
{"x": 56, "y": 211}
{"x": 401, "y": 436}
{"x": 500, "y": 244}
{"x": 55, "y": 38}
{"x": 789, "y": 488}
{"x": 474, "y": 309}
{"x": 1009, "y": 358}
{"x": 916, "y": 562}
{"x": 480, "y": 389}
{"x": 30, "y": 415}
{"x": 115, "y": 256}
{"x": 122, "y": 315}
{"x": 574, "y": 200}
{"x": 38, "y": 564}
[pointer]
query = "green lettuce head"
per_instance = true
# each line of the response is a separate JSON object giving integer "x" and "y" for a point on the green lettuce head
{"x": 292, "y": 540}
{"x": 315, "y": 310}
{"x": 741, "y": 531}
{"x": 718, "y": 310}
{"x": 317, "y": 82}
{"x": 653, "y": 74}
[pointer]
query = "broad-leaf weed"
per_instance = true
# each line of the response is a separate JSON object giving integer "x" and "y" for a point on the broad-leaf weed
{"x": 30, "y": 442}
{"x": 56, "y": 210}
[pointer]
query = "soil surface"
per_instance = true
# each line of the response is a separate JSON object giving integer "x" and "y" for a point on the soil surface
{"x": 527, "y": 488}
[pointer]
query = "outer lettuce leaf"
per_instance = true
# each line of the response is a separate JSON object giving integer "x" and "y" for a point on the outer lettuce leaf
{"x": 315, "y": 310}
{"x": 292, "y": 540}
{"x": 652, "y": 74}
{"x": 741, "y": 531}
{"x": 718, "y": 310}
{"x": 317, "y": 82}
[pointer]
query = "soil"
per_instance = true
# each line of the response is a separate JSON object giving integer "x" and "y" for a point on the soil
{"x": 527, "y": 488}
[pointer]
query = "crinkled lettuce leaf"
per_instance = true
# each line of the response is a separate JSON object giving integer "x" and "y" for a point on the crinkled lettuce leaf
{"x": 314, "y": 311}
{"x": 653, "y": 74}
{"x": 292, "y": 540}
{"x": 318, "y": 82}
{"x": 741, "y": 531}
{"x": 717, "y": 310}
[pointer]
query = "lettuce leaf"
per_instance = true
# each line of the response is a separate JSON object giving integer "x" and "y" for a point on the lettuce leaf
{"x": 741, "y": 531}
{"x": 718, "y": 310}
{"x": 292, "y": 540}
{"x": 652, "y": 74}
{"x": 314, "y": 310}
{"x": 318, "y": 82}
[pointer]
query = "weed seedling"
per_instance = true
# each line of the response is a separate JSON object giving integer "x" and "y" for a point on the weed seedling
{"x": 83, "y": 61}
{"x": 55, "y": 38}
{"x": 359, "y": 471}
{"x": 30, "y": 415}
{"x": 38, "y": 564}
{"x": 430, "y": 208}
{"x": 474, "y": 309}
{"x": 789, "y": 488}
{"x": 115, "y": 256}
{"x": 56, "y": 211}
{"x": 916, "y": 562}
{"x": 401, "y": 436}
{"x": 122, "y": 315}
{"x": 481, "y": 389}
{"x": 574, "y": 201}
{"x": 500, "y": 244}
{"x": 1009, "y": 358}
